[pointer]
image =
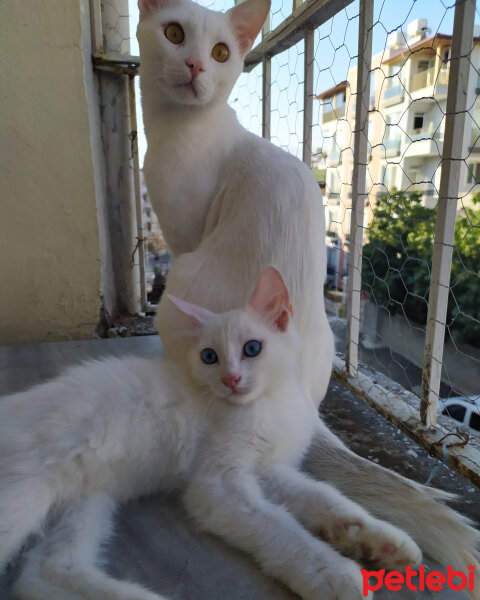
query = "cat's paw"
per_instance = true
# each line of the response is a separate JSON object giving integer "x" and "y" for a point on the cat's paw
{"x": 373, "y": 541}
{"x": 388, "y": 547}
{"x": 341, "y": 581}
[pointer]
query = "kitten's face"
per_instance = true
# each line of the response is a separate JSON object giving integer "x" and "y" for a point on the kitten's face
{"x": 189, "y": 54}
{"x": 240, "y": 355}
{"x": 236, "y": 356}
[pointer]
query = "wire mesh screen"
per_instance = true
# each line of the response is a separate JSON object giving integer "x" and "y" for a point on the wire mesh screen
{"x": 409, "y": 87}
{"x": 407, "y": 110}
{"x": 119, "y": 18}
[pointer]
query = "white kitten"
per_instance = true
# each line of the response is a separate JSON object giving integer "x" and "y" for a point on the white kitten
{"x": 229, "y": 204}
{"x": 112, "y": 430}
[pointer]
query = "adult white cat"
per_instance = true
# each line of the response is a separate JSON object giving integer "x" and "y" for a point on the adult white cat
{"x": 108, "y": 431}
{"x": 229, "y": 204}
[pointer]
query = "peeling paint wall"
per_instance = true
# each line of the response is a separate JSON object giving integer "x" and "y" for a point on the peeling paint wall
{"x": 50, "y": 271}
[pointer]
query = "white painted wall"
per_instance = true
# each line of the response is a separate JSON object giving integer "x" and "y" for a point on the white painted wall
{"x": 49, "y": 233}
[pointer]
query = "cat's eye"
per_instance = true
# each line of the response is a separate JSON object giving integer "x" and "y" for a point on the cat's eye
{"x": 174, "y": 33}
{"x": 220, "y": 52}
{"x": 252, "y": 348}
{"x": 209, "y": 356}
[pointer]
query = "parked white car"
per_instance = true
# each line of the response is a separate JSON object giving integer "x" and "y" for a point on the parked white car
{"x": 465, "y": 410}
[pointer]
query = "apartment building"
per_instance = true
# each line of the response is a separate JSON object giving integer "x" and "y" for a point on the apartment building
{"x": 409, "y": 84}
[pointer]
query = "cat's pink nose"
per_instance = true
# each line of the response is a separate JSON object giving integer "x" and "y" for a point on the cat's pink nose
{"x": 231, "y": 381}
{"x": 195, "y": 66}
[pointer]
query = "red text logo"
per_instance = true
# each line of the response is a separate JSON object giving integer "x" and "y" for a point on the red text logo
{"x": 433, "y": 580}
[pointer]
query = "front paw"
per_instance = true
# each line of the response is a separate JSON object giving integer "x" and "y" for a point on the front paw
{"x": 343, "y": 580}
{"x": 373, "y": 541}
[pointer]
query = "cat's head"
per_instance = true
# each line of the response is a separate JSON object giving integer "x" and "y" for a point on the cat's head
{"x": 241, "y": 354}
{"x": 191, "y": 55}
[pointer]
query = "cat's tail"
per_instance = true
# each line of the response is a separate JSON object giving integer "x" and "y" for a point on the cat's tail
{"x": 24, "y": 504}
{"x": 442, "y": 533}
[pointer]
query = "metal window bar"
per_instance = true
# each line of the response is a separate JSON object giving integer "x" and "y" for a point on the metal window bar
{"x": 447, "y": 209}
{"x": 308, "y": 95}
{"x": 306, "y": 17}
{"x": 266, "y": 87}
{"x": 127, "y": 65}
{"x": 360, "y": 150}
{"x": 136, "y": 182}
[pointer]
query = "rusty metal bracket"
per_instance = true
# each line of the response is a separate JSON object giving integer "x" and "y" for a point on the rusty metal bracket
{"x": 126, "y": 66}
{"x": 140, "y": 240}
{"x": 463, "y": 456}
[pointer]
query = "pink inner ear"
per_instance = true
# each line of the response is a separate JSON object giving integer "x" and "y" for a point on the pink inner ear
{"x": 247, "y": 19}
{"x": 147, "y": 7}
{"x": 270, "y": 299}
{"x": 198, "y": 316}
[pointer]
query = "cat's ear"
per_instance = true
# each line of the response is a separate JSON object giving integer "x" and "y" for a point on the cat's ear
{"x": 197, "y": 315}
{"x": 247, "y": 19}
{"x": 270, "y": 299}
{"x": 147, "y": 7}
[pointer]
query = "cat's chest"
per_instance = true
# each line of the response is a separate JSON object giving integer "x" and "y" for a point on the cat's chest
{"x": 180, "y": 201}
{"x": 182, "y": 173}
{"x": 271, "y": 430}
{"x": 284, "y": 433}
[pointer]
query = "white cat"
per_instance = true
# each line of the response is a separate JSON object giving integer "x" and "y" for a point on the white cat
{"x": 112, "y": 430}
{"x": 229, "y": 204}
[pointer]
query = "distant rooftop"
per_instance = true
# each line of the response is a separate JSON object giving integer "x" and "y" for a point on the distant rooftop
{"x": 439, "y": 40}
{"x": 333, "y": 91}
{"x": 400, "y": 44}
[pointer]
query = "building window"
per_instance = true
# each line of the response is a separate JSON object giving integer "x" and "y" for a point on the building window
{"x": 455, "y": 411}
{"x": 389, "y": 176}
{"x": 335, "y": 182}
{"x": 475, "y": 421}
{"x": 423, "y": 65}
{"x": 418, "y": 121}
{"x": 473, "y": 173}
{"x": 414, "y": 174}
{"x": 392, "y": 129}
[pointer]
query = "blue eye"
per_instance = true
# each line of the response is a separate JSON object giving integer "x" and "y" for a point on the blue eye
{"x": 209, "y": 356}
{"x": 252, "y": 348}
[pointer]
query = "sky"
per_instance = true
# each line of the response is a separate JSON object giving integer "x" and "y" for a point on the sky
{"x": 335, "y": 52}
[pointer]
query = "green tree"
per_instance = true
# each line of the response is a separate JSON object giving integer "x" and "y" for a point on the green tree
{"x": 464, "y": 302}
{"x": 398, "y": 256}
{"x": 319, "y": 174}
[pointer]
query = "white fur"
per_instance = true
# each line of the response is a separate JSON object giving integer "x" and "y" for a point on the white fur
{"x": 116, "y": 429}
{"x": 229, "y": 204}
{"x": 112, "y": 430}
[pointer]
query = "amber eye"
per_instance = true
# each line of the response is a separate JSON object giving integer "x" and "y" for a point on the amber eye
{"x": 220, "y": 52}
{"x": 174, "y": 33}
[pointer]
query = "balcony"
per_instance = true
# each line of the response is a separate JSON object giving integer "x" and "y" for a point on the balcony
{"x": 438, "y": 79}
{"x": 393, "y": 95}
{"x": 426, "y": 188}
{"x": 333, "y": 114}
{"x": 424, "y": 142}
{"x": 371, "y": 105}
{"x": 184, "y": 556}
{"x": 475, "y": 141}
{"x": 392, "y": 147}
